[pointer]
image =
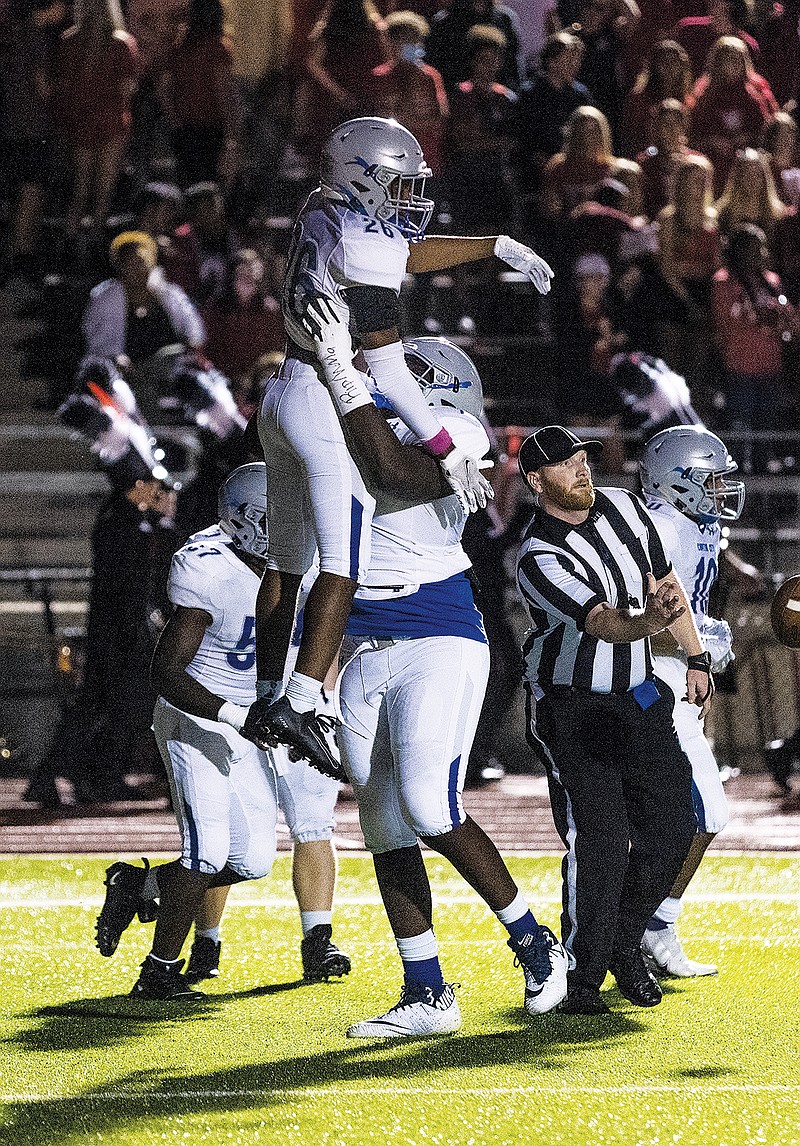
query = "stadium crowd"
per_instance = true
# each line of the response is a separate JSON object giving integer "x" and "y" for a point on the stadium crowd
{"x": 649, "y": 152}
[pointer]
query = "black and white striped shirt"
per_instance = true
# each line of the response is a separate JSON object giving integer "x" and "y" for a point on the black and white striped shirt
{"x": 564, "y": 571}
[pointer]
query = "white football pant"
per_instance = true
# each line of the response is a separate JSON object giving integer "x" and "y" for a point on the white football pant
{"x": 223, "y": 792}
{"x": 708, "y": 793}
{"x": 409, "y": 710}
{"x": 317, "y": 497}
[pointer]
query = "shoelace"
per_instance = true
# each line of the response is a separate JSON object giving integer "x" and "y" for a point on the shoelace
{"x": 414, "y": 992}
{"x": 535, "y": 957}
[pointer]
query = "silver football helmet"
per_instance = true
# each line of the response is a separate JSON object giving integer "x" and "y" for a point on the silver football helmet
{"x": 377, "y": 168}
{"x": 243, "y": 508}
{"x": 447, "y": 376}
{"x": 686, "y": 466}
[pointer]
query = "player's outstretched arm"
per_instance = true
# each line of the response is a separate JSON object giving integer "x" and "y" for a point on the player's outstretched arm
{"x": 439, "y": 252}
{"x": 175, "y": 651}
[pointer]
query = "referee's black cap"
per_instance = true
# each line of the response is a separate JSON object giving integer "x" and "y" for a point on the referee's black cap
{"x": 549, "y": 445}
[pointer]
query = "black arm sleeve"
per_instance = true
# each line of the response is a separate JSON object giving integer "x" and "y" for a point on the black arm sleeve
{"x": 372, "y": 308}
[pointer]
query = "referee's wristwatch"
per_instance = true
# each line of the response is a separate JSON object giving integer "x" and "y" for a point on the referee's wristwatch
{"x": 700, "y": 661}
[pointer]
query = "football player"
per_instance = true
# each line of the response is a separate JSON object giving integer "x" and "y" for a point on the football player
{"x": 416, "y": 662}
{"x": 684, "y": 473}
{"x": 225, "y": 790}
{"x": 355, "y": 239}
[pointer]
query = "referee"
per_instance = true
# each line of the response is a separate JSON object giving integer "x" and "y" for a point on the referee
{"x": 598, "y": 585}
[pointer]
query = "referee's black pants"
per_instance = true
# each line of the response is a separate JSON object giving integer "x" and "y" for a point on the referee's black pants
{"x": 621, "y": 793}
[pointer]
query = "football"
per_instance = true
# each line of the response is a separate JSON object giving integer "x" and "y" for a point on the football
{"x": 785, "y": 613}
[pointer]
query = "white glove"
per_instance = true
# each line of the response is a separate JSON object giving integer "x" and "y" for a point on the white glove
{"x": 523, "y": 259}
{"x": 334, "y": 348}
{"x": 464, "y": 475}
{"x": 717, "y": 640}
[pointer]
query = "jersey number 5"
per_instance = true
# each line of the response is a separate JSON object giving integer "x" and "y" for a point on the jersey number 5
{"x": 246, "y": 658}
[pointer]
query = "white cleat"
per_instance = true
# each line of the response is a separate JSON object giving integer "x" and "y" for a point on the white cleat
{"x": 663, "y": 948}
{"x": 419, "y": 1012}
{"x": 544, "y": 996}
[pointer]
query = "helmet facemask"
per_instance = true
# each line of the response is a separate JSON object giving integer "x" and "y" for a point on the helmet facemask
{"x": 406, "y": 206}
{"x": 721, "y": 500}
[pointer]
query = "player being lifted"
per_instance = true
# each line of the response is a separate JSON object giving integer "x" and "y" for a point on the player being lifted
{"x": 351, "y": 243}
{"x": 416, "y": 663}
{"x": 684, "y": 473}
{"x": 225, "y": 790}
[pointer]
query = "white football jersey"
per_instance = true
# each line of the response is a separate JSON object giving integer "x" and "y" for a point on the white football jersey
{"x": 417, "y": 544}
{"x": 206, "y": 574}
{"x": 333, "y": 248}
{"x": 693, "y": 547}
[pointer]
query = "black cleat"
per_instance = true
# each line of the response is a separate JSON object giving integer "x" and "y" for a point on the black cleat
{"x": 583, "y": 1001}
{"x": 322, "y": 959}
{"x": 124, "y": 899}
{"x": 157, "y": 981}
{"x": 634, "y": 979}
{"x": 308, "y": 736}
{"x": 203, "y": 959}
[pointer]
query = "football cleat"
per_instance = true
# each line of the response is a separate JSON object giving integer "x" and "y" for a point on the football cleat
{"x": 308, "y": 735}
{"x": 322, "y": 959}
{"x": 544, "y": 964}
{"x": 124, "y": 899}
{"x": 634, "y": 980}
{"x": 662, "y": 948}
{"x": 420, "y": 1011}
{"x": 203, "y": 959}
{"x": 158, "y": 981}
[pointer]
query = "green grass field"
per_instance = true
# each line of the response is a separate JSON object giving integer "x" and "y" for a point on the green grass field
{"x": 266, "y": 1059}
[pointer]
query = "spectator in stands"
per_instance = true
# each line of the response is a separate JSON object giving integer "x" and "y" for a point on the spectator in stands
{"x": 571, "y": 176}
{"x": 203, "y": 246}
{"x": 200, "y": 97}
{"x": 601, "y": 225}
{"x": 347, "y": 42}
{"x": 750, "y": 195}
{"x": 27, "y": 129}
{"x": 667, "y": 75}
{"x": 753, "y": 323}
{"x": 729, "y": 107}
{"x": 689, "y": 255}
{"x": 779, "y": 143}
{"x": 243, "y": 322}
{"x": 545, "y": 105}
{"x": 775, "y": 26}
{"x": 629, "y": 173}
{"x": 95, "y": 77}
{"x": 409, "y": 90}
{"x": 660, "y": 161}
{"x": 588, "y": 335}
{"x": 481, "y": 139}
{"x": 155, "y": 25}
{"x": 605, "y": 27}
{"x": 136, "y": 313}
{"x": 158, "y": 208}
{"x": 448, "y": 47}
{"x": 697, "y": 34}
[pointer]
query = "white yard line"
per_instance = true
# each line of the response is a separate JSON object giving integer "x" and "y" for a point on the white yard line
{"x": 337, "y": 1092}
